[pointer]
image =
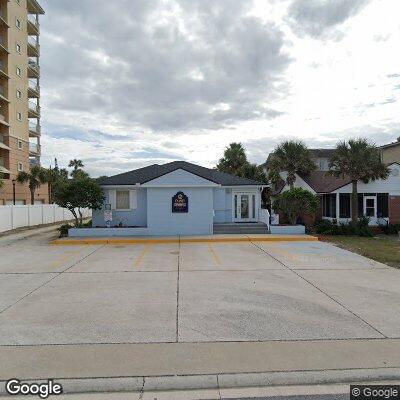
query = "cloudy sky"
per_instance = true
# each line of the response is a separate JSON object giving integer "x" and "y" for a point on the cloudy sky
{"x": 128, "y": 83}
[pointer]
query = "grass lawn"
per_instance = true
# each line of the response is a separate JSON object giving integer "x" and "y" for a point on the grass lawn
{"x": 381, "y": 248}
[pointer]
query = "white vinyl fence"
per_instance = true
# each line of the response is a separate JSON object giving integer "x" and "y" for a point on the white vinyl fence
{"x": 12, "y": 217}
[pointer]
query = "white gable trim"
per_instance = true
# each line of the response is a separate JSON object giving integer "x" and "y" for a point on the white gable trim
{"x": 298, "y": 183}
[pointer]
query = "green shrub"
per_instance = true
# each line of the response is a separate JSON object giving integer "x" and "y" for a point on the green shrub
{"x": 63, "y": 229}
{"x": 87, "y": 224}
{"x": 332, "y": 227}
{"x": 391, "y": 229}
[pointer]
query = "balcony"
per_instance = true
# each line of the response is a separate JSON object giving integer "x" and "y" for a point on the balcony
{"x": 33, "y": 68}
{"x": 3, "y": 45}
{"x": 3, "y": 73}
{"x": 3, "y": 94}
{"x": 34, "y": 7}
{"x": 2, "y": 144}
{"x": 33, "y": 24}
{"x": 3, "y": 120}
{"x": 3, "y": 21}
{"x": 34, "y": 162}
{"x": 34, "y": 129}
{"x": 33, "y": 109}
{"x": 34, "y": 149}
{"x": 33, "y": 46}
{"x": 33, "y": 89}
{"x": 3, "y": 169}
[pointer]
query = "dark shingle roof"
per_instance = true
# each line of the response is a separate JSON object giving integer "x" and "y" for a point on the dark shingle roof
{"x": 146, "y": 174}
{"x": 323, "y": 182}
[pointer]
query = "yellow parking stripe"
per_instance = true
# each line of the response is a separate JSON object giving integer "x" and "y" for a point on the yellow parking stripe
{"x": 214, "y": 253}
{"x": 60, "y": 260}
{"x": 142, "y": 254}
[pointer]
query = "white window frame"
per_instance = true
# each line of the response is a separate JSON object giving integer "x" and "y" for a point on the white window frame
{"x": 116, "y": 200}
{"x": 18, "y": 48}
{"x": 18, "y": 23}
{"x": 19, "y": 94}
{"x": 18, "y": 71}
{"x": 20, "y": 144}
{"x": 18, "y": 2}
{"x": 374, "y": 198}
{"x": 20, "y": 166}
{"x": 19, "y": 116}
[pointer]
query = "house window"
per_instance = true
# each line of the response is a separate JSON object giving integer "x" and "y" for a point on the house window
{"x": 382, "y": 210}
{"x": 20, "y": 144}
{"x": 17, "y": 23}
{"x": 344, "y": 205}
{"x": 19, "y": 116}
{"x": 19, "y": 71}
{"x": 18, "y": 48}
{"x": 19, "y": 94}
{"x": 122, "y": 200}
{"x": 19, "y": 2}
{"x": 20, "y": 167}
{"x": 329, "y": 205}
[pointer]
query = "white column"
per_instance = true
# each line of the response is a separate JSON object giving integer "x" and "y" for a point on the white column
{"x": 337, "y": 206}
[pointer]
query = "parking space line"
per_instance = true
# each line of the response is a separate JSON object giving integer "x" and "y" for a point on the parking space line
{"x": 142, "y": 254}
{"x": 214, "y": 253}
{"x": 64, "y": 258}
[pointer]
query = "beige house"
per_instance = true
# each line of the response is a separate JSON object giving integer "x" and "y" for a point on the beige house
{"x": 391, "y": 152}
{"x": 19, "y": 96}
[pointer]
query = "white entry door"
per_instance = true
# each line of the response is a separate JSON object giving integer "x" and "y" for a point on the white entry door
{"x": 370, "y": 208}
{"x": 245, "y": 207}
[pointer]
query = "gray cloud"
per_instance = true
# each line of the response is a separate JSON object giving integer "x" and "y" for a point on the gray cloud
{"x": 161, "y": 65}
{"x": 319, "y": 18}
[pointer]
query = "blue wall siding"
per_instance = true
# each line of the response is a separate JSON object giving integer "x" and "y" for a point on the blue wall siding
{"x": 136, "y": 217}
{"x": 222, "y": 205}
{"x": 162, "y": 221}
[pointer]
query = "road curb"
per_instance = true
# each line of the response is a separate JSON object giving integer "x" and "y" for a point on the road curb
{"x": 161, "y": 240}
{"x": 222, "y": 381}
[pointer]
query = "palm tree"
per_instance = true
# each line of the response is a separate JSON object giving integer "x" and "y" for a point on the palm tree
{"x": 54, "y": 176}
{"x": 234, "y": 159}
{"x": 35, "y": 178}
{"x": 292, "y": 157}
{"x": 358, "y": 160}
{"x": 76, "y": 164}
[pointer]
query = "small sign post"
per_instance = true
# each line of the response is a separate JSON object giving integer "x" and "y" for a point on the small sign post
{"x": 108, "y": 218}
{"x": 180, "y": 203}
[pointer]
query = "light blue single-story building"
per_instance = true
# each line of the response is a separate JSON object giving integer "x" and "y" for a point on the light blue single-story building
{"x": 178, "y": 198}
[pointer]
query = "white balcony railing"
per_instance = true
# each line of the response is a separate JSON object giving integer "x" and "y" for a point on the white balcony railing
{"x": 33, "y": 19}
{"x": 34, "y": 148}
{"x": 33, "y": 85}
{"x": 34, "y": 128}
{"x": 33, "y": 41}
{"x": 33, "y": 107}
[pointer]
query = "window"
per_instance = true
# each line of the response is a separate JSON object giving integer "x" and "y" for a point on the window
{"x": 17, "y": 23}
{"x": 382, "y": 209}
{"x": 19, "y": 71}
{"x": 19, "y": 116}
{"x": 369, "y": 206}
{"x": 20, "y": 144}
{"x": 18, "y": 48}
{"x": 329, "y": 205}
{"x": 20, "y": 167}
{"x": 19, "y": 2}
{"x": 19, "y": 94}
{"x": 122, "y": 200}
{"x": 344, "y": 205}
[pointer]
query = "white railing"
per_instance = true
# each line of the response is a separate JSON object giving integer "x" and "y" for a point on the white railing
{"x": 33, "y": 19}
{"x": 34, "y": 148}
{"x": 33, "y": 41}
{"x": 33, "y": 85}
{"x": 12, "y": 217}
{"x": 263, "y": 216}
{"x": 33, "y": 107}
{"x": 34, "y": 128}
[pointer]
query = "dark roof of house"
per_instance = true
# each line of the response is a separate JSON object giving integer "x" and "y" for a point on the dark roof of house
{"x": 146, "y": 174}
{"x": 319, "y": 181}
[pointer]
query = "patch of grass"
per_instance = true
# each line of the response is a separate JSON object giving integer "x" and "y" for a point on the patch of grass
{"x": 381, "y": 248}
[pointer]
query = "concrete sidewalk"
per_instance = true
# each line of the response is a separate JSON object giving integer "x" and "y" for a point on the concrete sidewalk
{"x": 175, "y": 366}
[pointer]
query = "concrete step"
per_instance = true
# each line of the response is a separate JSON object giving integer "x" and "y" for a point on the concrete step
{"x": 256, "y": 228}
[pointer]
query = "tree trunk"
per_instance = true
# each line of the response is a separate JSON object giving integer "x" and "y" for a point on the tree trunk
{"x": 73, "y": 212}
{"x": 80, "y": 217}
{"x": 32, "y": 196}
{"x": 354, "y": 202}
{"x": 49, "y": 192}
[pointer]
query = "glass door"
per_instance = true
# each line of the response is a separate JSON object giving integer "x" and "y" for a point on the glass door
{"x": 244, "y": 207}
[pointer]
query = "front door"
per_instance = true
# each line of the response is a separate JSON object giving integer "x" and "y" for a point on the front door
{"x": 245, "y": 207}
{"x": 370, "y": 208}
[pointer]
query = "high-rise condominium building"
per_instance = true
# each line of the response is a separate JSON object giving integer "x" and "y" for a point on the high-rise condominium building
{"x": 19, "y": 97}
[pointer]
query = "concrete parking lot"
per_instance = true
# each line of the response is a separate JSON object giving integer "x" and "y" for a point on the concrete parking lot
{"x": 192, "y": 292}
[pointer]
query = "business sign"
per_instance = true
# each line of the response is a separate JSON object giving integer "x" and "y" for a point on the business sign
{"x": 180, "y": 203}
